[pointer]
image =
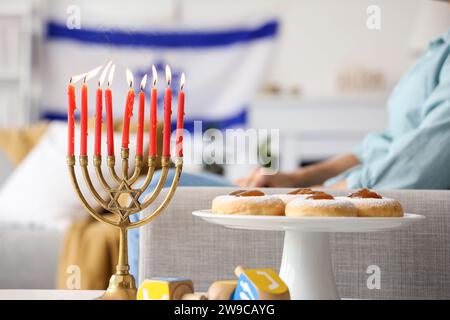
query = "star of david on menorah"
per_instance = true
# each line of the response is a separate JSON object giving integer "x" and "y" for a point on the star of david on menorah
{"x": 122, "y": 284}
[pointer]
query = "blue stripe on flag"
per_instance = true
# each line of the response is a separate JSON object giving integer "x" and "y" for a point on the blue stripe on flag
{"x": 167, "y": 39}
{"x": 56, "y": 116}
{"x": 239, "y": 119}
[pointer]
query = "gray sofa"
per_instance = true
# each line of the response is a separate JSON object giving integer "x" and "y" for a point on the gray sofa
{"x": 28, "y": 254}
{"x": 414, "y": 262}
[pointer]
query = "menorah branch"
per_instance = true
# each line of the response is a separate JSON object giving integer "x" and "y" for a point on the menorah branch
{"x": 91, "y": 211}
{"x": 125, "y": 152}
{"x": 165, "y": 163}
{"x": 151, "y": 163}
{"x": 111, "y": 162}
{"x": 168, "y": 198}
{"x": 98, "y": 171}
{"x": 137, "y": 170}
{"x": 88, "y": 181}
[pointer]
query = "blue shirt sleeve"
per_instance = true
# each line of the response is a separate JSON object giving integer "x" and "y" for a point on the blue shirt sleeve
{"x": 421, "y": 157}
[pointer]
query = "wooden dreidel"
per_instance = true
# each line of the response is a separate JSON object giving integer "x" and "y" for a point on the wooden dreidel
{"x": 259, "y": 284}
{"x": 165, "y": 289}
{"x": 222, "y": 290}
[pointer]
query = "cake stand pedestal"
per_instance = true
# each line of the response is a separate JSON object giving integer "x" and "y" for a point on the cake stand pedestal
{"x": 306, "y": 262}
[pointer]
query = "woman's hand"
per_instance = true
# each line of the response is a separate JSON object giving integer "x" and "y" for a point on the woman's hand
{"x": 315, "y": 174}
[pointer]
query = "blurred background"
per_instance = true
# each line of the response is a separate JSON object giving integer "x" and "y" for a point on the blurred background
{"x": 318, "y": 72}
{"x": 315, "y": 70}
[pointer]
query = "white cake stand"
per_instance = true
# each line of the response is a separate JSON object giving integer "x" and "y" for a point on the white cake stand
{"x": 306, "y": 263}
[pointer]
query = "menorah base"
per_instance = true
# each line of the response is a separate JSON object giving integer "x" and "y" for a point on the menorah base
{"x": 121, "y": 287}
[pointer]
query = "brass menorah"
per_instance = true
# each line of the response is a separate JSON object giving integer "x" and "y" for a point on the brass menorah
{"x": 122, "y": 284}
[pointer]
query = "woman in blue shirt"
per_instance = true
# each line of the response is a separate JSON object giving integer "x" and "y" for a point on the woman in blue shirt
{"x": 412, "y": 153}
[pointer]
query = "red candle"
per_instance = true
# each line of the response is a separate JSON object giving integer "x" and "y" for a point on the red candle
{"x": 128, "y": 111}
{"x": 99, "y": 113}
{"x": 98, "y": 122}
{"x": 109, "y": 113}
{"x": 180, "y": 118}
{"x": 140, "y": 132}
{"x": 153, "y": 115}
{"x": 84, "y": 111}
{"x": 71, "y": 118}
{"x": 167, "y": 115}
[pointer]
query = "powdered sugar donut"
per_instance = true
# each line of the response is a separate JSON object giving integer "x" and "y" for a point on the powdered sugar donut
{"x": 286, "y": 198}
{"x": 371, "y": 204}
{"x": 251, "y": 202}
{"x": 320, "y": 204}
{"x": 301, "y": 193}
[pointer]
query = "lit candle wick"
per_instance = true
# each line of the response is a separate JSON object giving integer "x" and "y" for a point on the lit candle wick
{"x": 182, "y": 81}
{"x": 168, "y": 75}
{"x": 104, "y": 73}
{"x": 111, "y": 75}
{"x": 154, "y": 75}
{"x": 129, "y": 77}
{"x": 143, "y": 82}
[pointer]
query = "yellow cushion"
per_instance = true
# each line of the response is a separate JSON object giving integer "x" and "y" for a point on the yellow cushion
{"x": 16, "y": 143}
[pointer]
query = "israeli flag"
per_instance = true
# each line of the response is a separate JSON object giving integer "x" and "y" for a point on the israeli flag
{"x": 224, "y": 67}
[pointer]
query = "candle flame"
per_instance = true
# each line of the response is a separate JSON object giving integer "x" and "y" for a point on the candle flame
{"x": 154, "y": 75}
{"x": 168, "y": 75}
{"x": 182, "y": 81}
{"x": 92, "y": 73}
{"x": 144, "y": 81}
{"x": 75, "y": 79}
{"x": 103, "y": 75}
{"x": 129, "y": 77}
{"x": 111, "y": 74}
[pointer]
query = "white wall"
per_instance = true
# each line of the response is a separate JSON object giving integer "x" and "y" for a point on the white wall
{"x": 320, "y": 38}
